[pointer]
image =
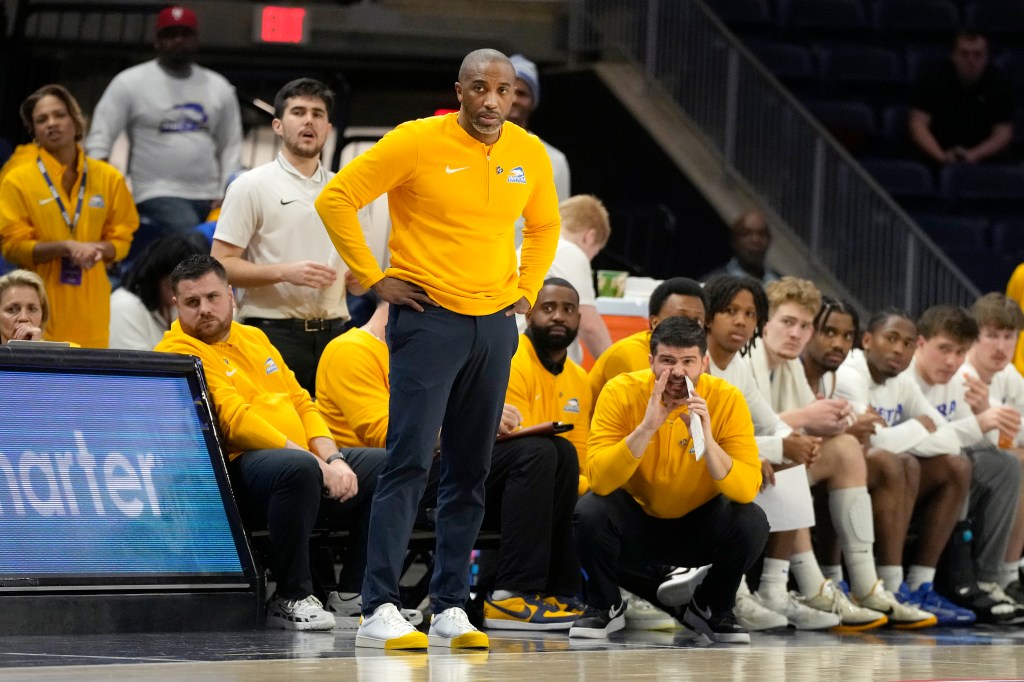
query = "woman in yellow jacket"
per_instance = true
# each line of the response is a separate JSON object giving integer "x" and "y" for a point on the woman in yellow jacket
{"x": 65, "y": 217}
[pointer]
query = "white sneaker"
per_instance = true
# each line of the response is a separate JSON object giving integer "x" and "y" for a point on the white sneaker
{"x": 451, "y": 628}
{"x": 352, "y": 607}
{"x": 680, "y": 585}
{"x": 799, "y": 616}
{"x": 902, "y": 616}
{"x": 643, "y": 615}
{"x": 753, "y": 616}
{"x": 298, "y": 614}
{"x": 347, "y": 610}
{"x": 852, "y": 618}
{"x": 386, "y": 629}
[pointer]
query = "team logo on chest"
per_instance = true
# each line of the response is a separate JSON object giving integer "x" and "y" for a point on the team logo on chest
{"x": 517, "y": 176}
{"x": 572, "y": 406}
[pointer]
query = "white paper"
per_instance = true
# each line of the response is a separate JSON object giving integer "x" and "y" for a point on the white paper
{"x": 788, "y": 503}
{"x": 696, "y": 430}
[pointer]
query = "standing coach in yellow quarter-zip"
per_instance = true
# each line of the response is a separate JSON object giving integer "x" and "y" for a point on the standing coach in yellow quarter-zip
{"x": 456, "y": 185}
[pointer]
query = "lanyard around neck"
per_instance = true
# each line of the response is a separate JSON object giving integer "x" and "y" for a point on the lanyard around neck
{"x": 71, "y": 222}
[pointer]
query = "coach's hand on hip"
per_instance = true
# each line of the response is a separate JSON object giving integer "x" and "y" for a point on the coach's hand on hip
{"x": 399, "y": 292}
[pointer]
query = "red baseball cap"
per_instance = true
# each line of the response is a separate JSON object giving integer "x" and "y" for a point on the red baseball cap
{"x": 171, "y": 17}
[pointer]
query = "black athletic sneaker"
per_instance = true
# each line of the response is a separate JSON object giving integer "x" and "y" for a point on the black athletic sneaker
{"x": 596, "y": 623}
{"x": 718, "y": 627}
{"x": 984, "y": 606}
{"x": 1015, "y": 592}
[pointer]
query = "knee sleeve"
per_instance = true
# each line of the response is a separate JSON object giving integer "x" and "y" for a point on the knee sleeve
{"x": 850, "y": 509}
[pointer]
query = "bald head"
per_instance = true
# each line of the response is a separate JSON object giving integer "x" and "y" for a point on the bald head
{"x": 477, "y": 58}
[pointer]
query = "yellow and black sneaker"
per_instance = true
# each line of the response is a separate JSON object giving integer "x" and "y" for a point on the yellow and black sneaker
{"x": 525, "y": 612}
{"x": 568, "y": 604}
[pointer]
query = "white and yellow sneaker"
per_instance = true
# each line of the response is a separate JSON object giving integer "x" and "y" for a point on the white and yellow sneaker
{"x": 386, "y": 629}
{"x": 451, "y": 628}
{"x": 852, "y": 618}
{"x": 901, "y": 616}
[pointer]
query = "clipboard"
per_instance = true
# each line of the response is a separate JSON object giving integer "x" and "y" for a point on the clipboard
{"x": 542, "y": 429}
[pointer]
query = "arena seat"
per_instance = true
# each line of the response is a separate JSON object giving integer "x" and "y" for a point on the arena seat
{"x": 875, "y": 74}
{"x": 823, "y": 19}
{"x": 1008, "y": 238}
{"x": 992, "y": 189}
{"x": 950, "y": 232}
{"x": 909, "y": 182}
{"x": 917, "y": 20}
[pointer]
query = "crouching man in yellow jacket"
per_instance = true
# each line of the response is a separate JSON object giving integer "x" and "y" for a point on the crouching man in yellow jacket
{"x": 673, "y": 469}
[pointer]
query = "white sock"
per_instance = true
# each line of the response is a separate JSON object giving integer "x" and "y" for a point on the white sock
{"x": 774, "y": 579}
{"x": 919, "y": 575}
{"x": 743, "y": 589}
{"x": 1008, "y": 572}
{"x": 807, "y": 572}
{"x": 498, "y": 595}
{"x": 833, "y": 573}
{"x": 850, "y": 509}
{"x": 892, "y": 578}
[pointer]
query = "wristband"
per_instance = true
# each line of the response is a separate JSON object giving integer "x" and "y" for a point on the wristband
{"x": 338, "y": 455}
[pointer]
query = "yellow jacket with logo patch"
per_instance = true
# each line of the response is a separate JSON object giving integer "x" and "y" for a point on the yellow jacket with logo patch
{"x": 259, "y": 403}
{"x": 625, "y": 355}
{"x": 668, "y": 481}
{"x": 542, "y": 396}
{"x": 454, "y": 202}
{"x": 29, "y": 214}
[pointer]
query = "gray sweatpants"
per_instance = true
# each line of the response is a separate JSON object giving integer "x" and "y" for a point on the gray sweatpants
{"x": 995, "y": 493}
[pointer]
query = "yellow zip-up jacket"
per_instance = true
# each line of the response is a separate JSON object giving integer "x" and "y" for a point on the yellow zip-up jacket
{"x": 668, "y": 481}
{"x": 1015, "y": 291}
{"x": 625, "y": 355}
{"x": 353, "y": 389}
{"x": 28, "y": 214}
{"x": 22, "y": 153}
{"x": 542, "y": 396}
{"x": 259, "y": 403}
{"x": 454, "y": 202}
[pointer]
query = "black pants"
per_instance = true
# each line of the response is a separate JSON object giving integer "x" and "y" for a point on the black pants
{"x": 300, "y": 349}
{"x": 614, "y": 529}
{"x": 531, "y": 494}
{"x": 281, "y": 490}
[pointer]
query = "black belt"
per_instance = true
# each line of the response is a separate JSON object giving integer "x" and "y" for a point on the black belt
{"x": 315, "y": 325}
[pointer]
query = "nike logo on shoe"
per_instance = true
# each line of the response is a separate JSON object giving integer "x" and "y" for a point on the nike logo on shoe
{"x": 523, "y": 613}
{"x": 704, "y": 613}
{"x": 450, "y": 170}
{"x": 285, "y": 203}
{"x": 616, "y": 611}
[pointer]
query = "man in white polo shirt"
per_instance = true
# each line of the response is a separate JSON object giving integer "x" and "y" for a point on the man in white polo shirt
{"x": 273, "y": 244}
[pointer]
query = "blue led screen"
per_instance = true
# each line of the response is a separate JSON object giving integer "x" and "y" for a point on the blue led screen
{"x": 104, "y": 475}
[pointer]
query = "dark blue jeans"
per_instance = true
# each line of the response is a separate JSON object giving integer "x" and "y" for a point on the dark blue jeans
{"x": 449, "y": 373}
{"x": 164, "y": 216}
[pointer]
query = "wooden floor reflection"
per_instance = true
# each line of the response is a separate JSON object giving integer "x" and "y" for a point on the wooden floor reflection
{"x": 972, "y": 654}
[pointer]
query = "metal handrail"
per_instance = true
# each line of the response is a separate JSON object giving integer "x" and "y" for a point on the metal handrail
{"x": 771, "y": 145}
